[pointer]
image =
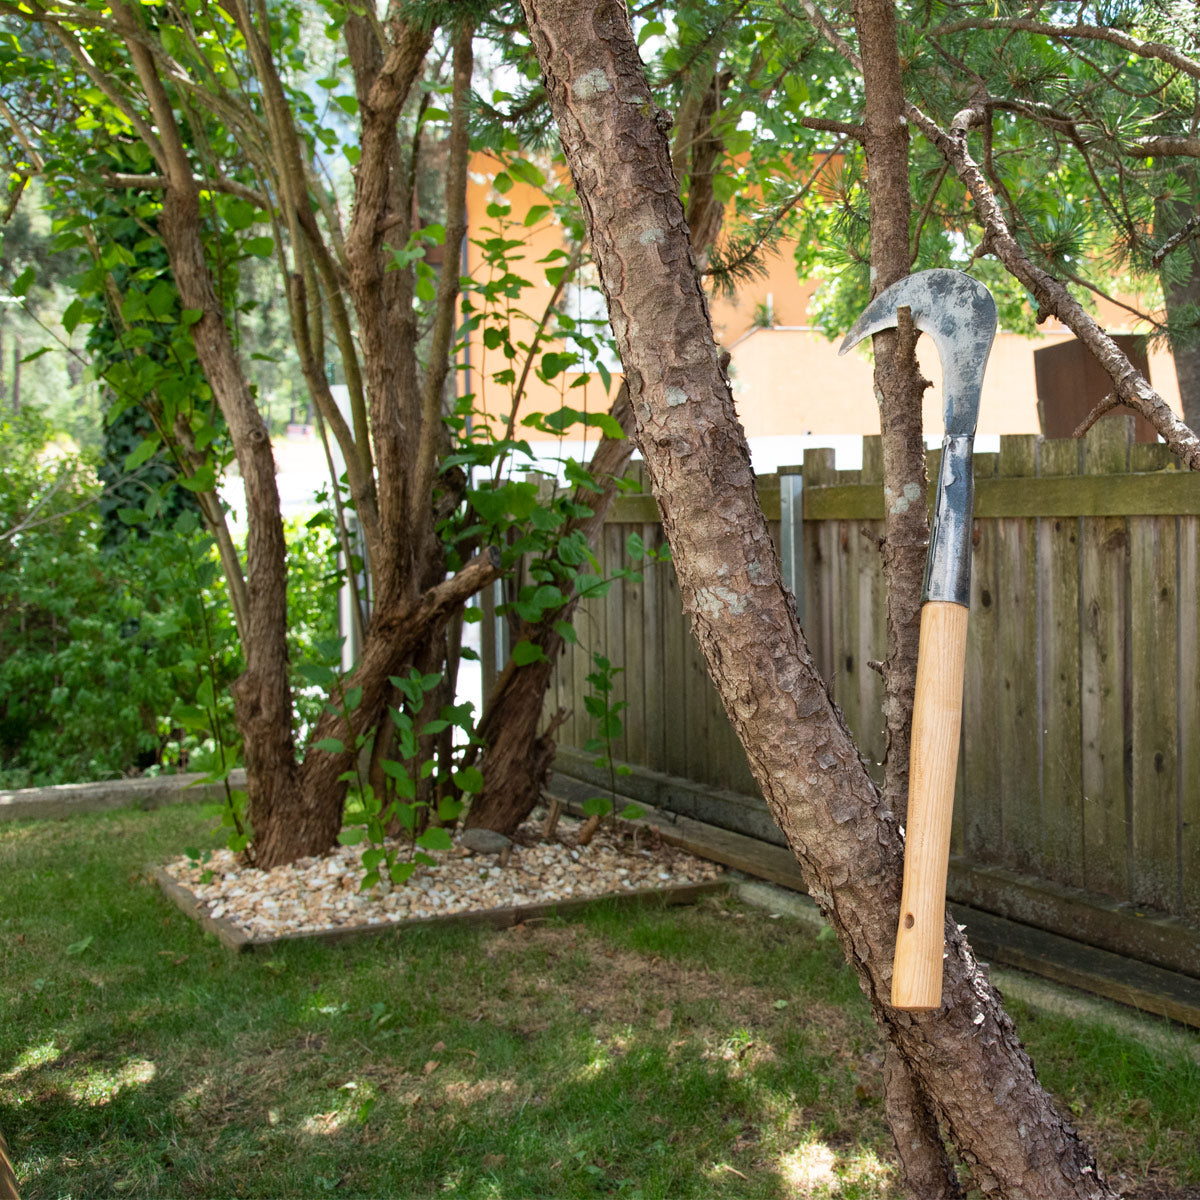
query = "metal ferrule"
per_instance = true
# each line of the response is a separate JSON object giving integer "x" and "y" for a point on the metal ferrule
{"x": 948, "y": 566}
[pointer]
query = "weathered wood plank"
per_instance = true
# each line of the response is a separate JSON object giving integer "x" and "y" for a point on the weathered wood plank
{"x": 675, "y": 635}
{"x": 652, "y": 666}
{"x": 696, "y": 685}
{"x": 1016, "y": 668}
{"x": 1163, "y": 493}
{"x": 1189, "y": 715}
{"x": 63, "y": 800}
{"x": 1153, "y": 628}
{"x": 982, "y": 808}
{"x": 820, "y": 568}
{"x": 1060, "y": 730}
{"x": 633, "y": 603}
{"x": 613, "y": 643}
{"x": 847, "y": 662}
{"x": 1104, "y": 689}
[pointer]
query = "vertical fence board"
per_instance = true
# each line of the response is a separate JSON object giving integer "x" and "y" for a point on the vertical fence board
{"x": 1103, "y": 692}
{"x": 1189, "y": 714}
{"x": 1016, "y": 667}
{"x": 976, "y": 821}
{"x": 653, "y": 665}
{"x": 983, "y": 811}
{"x": 674, "y": 632}
{"x": 820, "y": 568}
{"x": 848, "y": 664}
{"x": 633, "y": 594}
{"x": 696, "y": 707}
{"x": 1062, "y": 758}
{"x": 1153, "y": 625}
{"x": 612, "y": 645}
{"x": 871, "y": 630}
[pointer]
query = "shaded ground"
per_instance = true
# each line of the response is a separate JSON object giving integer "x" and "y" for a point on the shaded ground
{"x": 707, "y": 1052}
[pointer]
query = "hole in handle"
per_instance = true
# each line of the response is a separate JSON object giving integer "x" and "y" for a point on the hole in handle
{"x": 909, "y": 920}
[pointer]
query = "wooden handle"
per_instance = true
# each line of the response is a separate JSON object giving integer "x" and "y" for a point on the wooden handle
{"x": 937, "y": 719}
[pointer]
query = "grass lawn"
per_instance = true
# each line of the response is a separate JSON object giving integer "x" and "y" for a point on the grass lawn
{"x": 707, "y": 1052}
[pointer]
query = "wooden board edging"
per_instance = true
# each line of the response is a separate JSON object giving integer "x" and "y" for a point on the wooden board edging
{"x": 146, "y": 792}
{"x": 237, "y": 940}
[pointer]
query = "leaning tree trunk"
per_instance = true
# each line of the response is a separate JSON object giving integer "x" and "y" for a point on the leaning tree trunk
{"x": 966, "y": 1057}
{"x": 518, "y": 758}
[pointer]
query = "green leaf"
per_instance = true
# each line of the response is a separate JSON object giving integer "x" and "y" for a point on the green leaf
{"x": 330, "y": 745}
{"x": 144, "y": 451}
{"x": 260, "y": 247}
{"x": 566, "y": 631}
{"x": 352, "y": 836}
{"x": 435, "y": 838}
{"x": 36, "y": 354}
{"x": 23, "y": 282}
{"x": 402, "y": 872}
{"x": 72, "y": 315}
{"x": 372, "y": 858}
{"x": 80, "y": 946}
{"x": 317, "y": 674}
{"x": 526, "y": 172}
{"x": 190, "y": 316}
{"x": 469, "y": 779}
{"x": 353, "y": 698}
{"x": 526, "y": 652}
{"x": 632, "y": 812}
{"x": 597, "y": 806}
{"x": 204, "y": 480}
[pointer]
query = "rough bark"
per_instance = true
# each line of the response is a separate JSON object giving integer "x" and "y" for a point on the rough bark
{"x": 397, "y": 633}
{"x": 518, "y": 758}
{"x": 8, "y": 1179}
{"x": 899, "y": 389}
{"x": 262, "y": 694}
{"x": 967, "y": 1056}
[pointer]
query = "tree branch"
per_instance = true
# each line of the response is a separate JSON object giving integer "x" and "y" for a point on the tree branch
{"x": 1097, "y": 33}
{"x": 433, "y": 431}
{"x": 1176, "y": 239}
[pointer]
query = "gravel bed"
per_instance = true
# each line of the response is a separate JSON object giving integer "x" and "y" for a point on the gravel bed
{"x": 315, "y": 894}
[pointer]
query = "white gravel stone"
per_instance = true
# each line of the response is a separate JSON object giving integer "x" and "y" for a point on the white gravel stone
{"x": 315, "y": 894}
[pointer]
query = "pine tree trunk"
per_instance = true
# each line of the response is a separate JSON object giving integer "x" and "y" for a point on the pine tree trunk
{"x": 966, "y": 1057}
{"x": 518, "y": 758}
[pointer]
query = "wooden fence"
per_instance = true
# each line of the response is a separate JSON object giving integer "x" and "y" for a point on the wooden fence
{"x": 1078, "y": 798}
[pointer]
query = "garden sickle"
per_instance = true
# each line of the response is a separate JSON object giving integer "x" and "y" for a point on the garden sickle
{"x": 960, "y": 315}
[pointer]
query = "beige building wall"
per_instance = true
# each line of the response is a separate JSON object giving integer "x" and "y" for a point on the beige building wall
{"x": 788, "y": 379}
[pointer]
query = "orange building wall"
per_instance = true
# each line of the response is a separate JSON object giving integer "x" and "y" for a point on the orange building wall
{"x": 787, "y": 380}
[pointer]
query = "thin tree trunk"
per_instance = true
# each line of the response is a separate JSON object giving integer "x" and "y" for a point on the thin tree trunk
{"x": 8, "y": 1178}
{"x": 899, "y": 388}
{"x": 284, "y": 828}
{"x": 518, "y": 758}
{"x": 966, "y": 1057}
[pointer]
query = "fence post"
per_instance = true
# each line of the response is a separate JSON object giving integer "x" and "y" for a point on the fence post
{"x": 791, "y": 532}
